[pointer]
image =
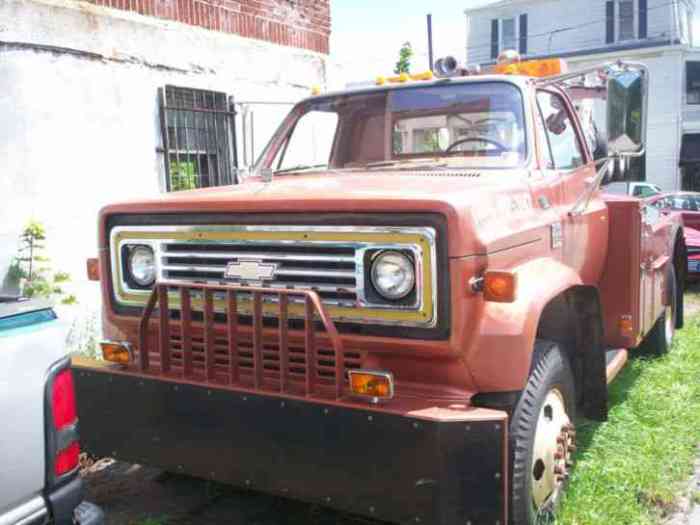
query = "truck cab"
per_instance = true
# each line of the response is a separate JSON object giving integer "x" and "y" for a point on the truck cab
{"x": 412, "y": 293}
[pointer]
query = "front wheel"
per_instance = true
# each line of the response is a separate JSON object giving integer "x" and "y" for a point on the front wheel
{"x": 542, "y": 437}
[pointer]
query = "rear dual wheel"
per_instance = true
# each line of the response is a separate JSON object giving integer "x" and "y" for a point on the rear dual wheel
{"x": 542, "y": 437}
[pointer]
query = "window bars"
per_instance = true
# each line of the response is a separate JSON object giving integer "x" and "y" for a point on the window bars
{"x": 199, "y": 138}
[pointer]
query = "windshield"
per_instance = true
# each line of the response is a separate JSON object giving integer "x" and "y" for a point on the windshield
{"x": 476, "y": 124}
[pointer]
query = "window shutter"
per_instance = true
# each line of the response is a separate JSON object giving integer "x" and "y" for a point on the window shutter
{"x": 609, "y": 22}
{"x": 523, "y": 35}
{"x": 643, "y": 20}
{"x": 494, "y": 39}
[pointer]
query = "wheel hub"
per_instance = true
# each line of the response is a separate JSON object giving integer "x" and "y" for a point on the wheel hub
{"x": 669, "y": 326}
{"x": 555, "y": 443}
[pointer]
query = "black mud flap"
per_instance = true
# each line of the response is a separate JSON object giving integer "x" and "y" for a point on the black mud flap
{"x": 380, "y": 465}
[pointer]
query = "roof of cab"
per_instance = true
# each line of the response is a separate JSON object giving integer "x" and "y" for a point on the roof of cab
{"x": 520, "y": 81}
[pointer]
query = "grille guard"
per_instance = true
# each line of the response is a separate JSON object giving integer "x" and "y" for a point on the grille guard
{"x": 312, "y": 307}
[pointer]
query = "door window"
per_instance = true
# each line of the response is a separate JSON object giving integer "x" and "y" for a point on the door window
{"x": 564, "y": 144}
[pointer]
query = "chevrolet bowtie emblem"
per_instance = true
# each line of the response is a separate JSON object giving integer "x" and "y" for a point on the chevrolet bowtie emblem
{"x": 250, "y": 270}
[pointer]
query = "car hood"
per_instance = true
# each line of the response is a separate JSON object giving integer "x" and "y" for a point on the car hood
{"x": 497, "y": 201}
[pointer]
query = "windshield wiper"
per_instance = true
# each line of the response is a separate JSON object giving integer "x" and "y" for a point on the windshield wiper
{"x": 301, "y": 167}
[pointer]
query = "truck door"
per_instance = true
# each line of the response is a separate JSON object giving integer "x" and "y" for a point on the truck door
{"x": 585, "y": 234}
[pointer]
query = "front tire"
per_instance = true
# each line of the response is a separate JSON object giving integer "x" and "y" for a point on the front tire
{"x": 542, "y": 436}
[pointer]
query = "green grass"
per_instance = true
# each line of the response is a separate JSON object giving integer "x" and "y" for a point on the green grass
{"x": 630, "y": 469}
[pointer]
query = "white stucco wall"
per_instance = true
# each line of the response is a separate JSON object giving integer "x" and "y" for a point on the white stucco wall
{"x": 79, "y": 132}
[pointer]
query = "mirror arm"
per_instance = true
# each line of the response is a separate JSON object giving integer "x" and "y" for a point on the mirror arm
{"x": 603, "y": 165}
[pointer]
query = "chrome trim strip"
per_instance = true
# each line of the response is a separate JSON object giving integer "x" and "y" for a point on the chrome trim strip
{"x": 257, "y": 255}
{"x": 428, "y": 233}
{"x": 26, "y": 513}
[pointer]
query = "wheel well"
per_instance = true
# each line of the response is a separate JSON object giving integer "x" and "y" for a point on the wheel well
{"x": 574, "y": 320}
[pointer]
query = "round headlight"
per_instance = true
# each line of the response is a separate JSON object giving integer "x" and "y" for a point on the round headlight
{"x": 393, "y": 275}
{"x": 142, "y": 265}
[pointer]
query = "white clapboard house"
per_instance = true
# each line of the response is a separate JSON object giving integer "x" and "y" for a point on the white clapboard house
{"x": 584, "y": 32}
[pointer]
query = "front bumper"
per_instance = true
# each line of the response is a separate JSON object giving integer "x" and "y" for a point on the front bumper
{"x": 439, "y": 466}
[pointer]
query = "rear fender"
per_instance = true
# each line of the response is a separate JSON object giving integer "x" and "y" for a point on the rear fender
{"x": 501, "y": 355}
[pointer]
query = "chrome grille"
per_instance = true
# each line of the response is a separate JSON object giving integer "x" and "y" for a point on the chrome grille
{"x": 328, "y": 270}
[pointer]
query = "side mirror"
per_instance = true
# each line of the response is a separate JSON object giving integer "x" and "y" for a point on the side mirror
{"x": 627, "y": 111}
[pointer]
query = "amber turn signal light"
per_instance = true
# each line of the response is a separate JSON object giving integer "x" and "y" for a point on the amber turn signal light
{"x": 626, "y": 325}
{"x": 93, "y": 269}
{"x": 371, "y": 383}
{"x": 114, "y": 352}
{"x": 500, "y": 286}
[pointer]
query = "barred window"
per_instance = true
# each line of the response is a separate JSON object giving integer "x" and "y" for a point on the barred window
{"x": 199, "y": 142}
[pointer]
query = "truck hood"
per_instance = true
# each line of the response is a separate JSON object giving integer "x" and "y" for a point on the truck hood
{"x": 488, "y": 199}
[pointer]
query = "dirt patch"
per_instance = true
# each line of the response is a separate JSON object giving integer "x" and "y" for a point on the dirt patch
{"x": 687, "y": 510}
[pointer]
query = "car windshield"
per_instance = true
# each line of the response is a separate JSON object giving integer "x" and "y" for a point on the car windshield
{"x": 478, "y": 124}
{"x": 683, "y": 202}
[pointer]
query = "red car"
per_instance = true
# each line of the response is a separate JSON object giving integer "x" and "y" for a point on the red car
{"x": 688, "y": 205}
{"x": 686, "y": 202}
{"x": 692, "y": 241}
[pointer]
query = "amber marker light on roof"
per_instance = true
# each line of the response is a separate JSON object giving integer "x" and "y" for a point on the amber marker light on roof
{"x": 373, "y": 384}
{"x": 500, "y": 286}
{"x": 533, "y": 68}
{"x": 115, "y": 352}
{"x": 404, "y": 77}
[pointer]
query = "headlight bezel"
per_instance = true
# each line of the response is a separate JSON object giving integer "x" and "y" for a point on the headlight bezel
{"x": 409, "y": 295}
{"x": 132, "y": 280}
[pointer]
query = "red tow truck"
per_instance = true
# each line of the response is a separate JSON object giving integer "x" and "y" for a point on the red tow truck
{"x": 402, "y": 309}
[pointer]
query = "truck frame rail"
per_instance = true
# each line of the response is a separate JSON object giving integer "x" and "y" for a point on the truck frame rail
{"x": 250, "y": 354}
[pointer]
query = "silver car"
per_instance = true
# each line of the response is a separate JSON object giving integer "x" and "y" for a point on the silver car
{"x": 39, "y": 446}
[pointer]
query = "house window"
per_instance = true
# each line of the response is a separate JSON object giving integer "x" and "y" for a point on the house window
{"x": 692, "y": 81}
{"x": 198, "y": 138}
{"x": 508, "y": 34}
{"x": 625, "y": 17}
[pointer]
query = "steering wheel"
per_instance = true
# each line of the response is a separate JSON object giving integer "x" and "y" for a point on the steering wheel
{"x": 498, "y": 145}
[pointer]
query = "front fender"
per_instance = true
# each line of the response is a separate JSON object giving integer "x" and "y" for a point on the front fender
{"x": 500, "y": 356}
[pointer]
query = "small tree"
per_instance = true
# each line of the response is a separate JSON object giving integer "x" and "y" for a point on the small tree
{"x": 31, "y": 249}
{"x": 404, "y": 63}
{"x": 32, "y": 266}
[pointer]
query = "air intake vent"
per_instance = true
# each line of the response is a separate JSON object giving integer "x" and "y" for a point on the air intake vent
{"x": 440, "y": 173}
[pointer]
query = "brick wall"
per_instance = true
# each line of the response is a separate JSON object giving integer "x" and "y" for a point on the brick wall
{"x": 300, "y": 23}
